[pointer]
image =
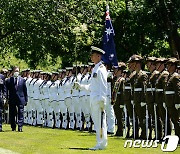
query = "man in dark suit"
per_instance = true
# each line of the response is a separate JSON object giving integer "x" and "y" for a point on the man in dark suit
{"x": 17, "y": 95}
{"x": 2, "y": 96}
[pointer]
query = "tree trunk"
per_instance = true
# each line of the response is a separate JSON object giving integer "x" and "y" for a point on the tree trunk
{"x": 170, "y": 28}
{"x": 174, "y": 42}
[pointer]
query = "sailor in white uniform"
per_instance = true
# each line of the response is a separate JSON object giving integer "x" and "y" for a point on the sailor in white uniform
{"x": 98, "y": 95}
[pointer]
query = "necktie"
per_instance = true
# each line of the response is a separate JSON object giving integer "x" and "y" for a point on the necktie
{"x": 15, "y": 83}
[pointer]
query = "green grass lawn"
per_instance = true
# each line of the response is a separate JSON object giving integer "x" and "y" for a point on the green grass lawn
{"x": 44, "y": 140}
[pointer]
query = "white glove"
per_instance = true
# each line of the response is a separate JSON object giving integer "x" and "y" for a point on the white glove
{"x": 177, "y": 106}
{"x": 102, "y": 102}
{"x": 102, "y": 105}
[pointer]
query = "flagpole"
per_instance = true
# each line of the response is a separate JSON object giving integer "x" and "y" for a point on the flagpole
{"x": 76, "y": 55}
{"x": 107, "y": 5}
{"x": 110, "y": 57}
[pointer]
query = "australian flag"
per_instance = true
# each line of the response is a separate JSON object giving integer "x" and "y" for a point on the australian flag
{"x": 110, "y": 56}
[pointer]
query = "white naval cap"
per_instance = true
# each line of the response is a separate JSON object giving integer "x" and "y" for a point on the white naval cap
{"x": 96, "y": 49}
{"x": 69, "y": 68}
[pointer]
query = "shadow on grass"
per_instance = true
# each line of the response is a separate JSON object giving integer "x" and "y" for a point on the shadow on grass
{"x": 79, "y": 148}
{"x": 8, "y": 131}
{"x": 88, "y": 134}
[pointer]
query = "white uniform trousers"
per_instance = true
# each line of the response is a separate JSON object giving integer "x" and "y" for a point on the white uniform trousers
{"x": 34, "y": 108}
{"x": 110, "y": 116}
{"x": 82, "y": 101}
{"x": 45, "y": 105}
{"x": 56, "y": 109}
{"x": 49, "y": 110}
{"x": 101, "y": 134}
{"x": 30, "y": 117}
{"x": 25, "y": 115}
{"x": 87, "y": 111}
{"x": 77, "y": 110}
{"x": 63, "y": 110}
{"x": 39, "y": 109}
{"x": 70, "y": 108}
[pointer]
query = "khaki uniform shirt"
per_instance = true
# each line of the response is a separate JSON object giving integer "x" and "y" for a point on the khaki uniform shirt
{"x": 172, "y": 90}
{"x": 139, "y": 87}
{"x": 160, "y": 86}
{"x": 150, "y": 87}
{"x": 129, "y": 87}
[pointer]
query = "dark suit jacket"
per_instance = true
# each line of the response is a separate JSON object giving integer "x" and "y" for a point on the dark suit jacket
{"x": 2, "y": 85}
{"x": 17, "y": 94}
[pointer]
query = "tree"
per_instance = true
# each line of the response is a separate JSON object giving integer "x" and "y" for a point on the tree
{"x": 47, "y": 31}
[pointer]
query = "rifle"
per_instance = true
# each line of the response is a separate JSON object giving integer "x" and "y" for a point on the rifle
{"x": 155, "y": 116}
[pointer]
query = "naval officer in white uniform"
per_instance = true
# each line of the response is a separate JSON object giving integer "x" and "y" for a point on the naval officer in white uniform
{"x": 98, "y": 94}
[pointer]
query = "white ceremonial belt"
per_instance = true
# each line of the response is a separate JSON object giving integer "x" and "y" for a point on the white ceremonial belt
{"x": 121, "y": 106}
{"x": 177, "y": 106}
{"x": 138, "y": 89}
{"x": 169, "y": 92}
{"x": 118, "y": 92}
{"x": 150, "y": 89}
{"x": 159, "y": 90}
{"x": 143, "y": 104}
{"x": 164, "y": 105}
{"x": 127, "y": 88}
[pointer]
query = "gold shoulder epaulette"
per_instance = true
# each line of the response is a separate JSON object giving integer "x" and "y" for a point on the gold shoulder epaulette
{"x": 101, "y": 65}
{"x": 156, "y": 72}
{"x": 165, "y": 73}
{"x": 176, "y": 75}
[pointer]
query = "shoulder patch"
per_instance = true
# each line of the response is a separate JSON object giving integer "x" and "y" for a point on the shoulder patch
{"x": 94, "y": 75}
{"x": 101, "y": 66}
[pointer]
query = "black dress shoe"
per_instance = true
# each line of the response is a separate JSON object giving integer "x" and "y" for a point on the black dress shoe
{"x": 13, "y": 129}
{"x": 78, "y": 128}
{"x": 143, "y": 137}
{"x": 93, "y": 131}
{"x": 120, "y": 134}
{"x": 127, "y": 136}
{"x": 86, "y": 129}
{"x": 20, "y": 130}
{"x": 110, "y": 133}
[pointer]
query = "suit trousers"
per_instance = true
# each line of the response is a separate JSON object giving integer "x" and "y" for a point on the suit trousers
{"x": 16, "y": 115}
{"x": 1, "y": 109}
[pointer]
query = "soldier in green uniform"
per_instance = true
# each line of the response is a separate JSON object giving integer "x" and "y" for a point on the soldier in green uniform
{"x": 150, "y": 92}
{"x": 128, "y": 98}
{"x": 138, "y": 95}
{"x": 117, "y": 97}
{"x": 172, "y": 93}
{"x": 150, "y": 98}
{"x": 159, "y": 97}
